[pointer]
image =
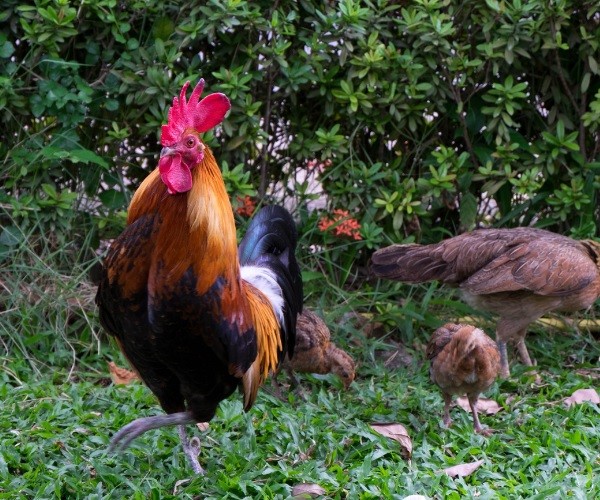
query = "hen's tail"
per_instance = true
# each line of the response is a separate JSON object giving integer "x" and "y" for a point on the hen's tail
{"x": 267, "y": 253}
{"x": 410, "y": 263}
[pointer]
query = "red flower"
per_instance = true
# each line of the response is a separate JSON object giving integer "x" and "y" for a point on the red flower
{"x": 246, "y": 206}
{"x": 317, "y": 165}
{"x": 341, "y": 225}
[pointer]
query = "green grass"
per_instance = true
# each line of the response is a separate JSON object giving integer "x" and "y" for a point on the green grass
{"x": 59, "y": 410}
{"x": 56, "y": 432}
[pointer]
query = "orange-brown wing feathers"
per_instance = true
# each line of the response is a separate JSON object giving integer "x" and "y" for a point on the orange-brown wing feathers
{"x": 545, "y": 266}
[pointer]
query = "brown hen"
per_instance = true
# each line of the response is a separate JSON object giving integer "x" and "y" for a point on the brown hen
{"x": 464, "y": 360}
{"x": 520, "y": 274}
{"x": 315, "y": 353}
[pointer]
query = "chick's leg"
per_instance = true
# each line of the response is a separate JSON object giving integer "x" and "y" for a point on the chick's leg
{"x": 476, "y": 424}
{"x": 191, "y": 448}
{"x": 447, "y": 402}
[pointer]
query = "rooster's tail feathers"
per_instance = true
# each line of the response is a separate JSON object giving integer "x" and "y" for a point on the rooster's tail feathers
{"x": 267, "y": 257}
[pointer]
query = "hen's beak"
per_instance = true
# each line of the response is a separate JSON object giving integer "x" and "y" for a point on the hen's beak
{"x": 166, "y": 151}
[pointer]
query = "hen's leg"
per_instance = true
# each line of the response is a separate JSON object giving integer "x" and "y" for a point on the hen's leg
{"x": 447, "y": 402}
{"x": 191, "y": 448}
{"x": 503, "y": 329}
{"x": 523, "y": 352}
{"x": 504, "y": 369}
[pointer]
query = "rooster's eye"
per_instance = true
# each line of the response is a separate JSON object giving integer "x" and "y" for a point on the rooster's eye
{"x": 190, "y": 142}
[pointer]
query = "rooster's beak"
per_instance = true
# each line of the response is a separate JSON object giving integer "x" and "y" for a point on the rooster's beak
{"x": 167, "y": 151}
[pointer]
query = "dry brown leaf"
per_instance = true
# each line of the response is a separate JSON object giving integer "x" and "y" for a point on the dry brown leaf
{"x": 121, "y": 376}
{"x": 582, "y": 395}
{"x": 462, "y": 470}
{"x": 307, "y": 491}
{"x": 589, "y": 372}
{"x": 398, "y": 433}
{"x": 485, "y": 406}
{"x": 178, "y": 484}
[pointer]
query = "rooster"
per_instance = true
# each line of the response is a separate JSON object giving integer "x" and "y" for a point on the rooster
{"x": 520, "y": 274}
{"x": 196, "y": 316}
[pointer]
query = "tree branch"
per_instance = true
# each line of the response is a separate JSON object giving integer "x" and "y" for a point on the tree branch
{"x": 461, "y": 116}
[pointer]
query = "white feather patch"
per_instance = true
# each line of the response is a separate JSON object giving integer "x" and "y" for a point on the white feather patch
{"x": 264, "y": 279}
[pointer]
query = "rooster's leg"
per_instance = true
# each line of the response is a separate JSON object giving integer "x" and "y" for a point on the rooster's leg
{"x": 447, "y": 402}
{"x": 128, "y": 433}
{"x": 191, "y": 447}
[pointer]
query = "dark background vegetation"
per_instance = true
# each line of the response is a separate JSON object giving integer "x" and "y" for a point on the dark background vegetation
{"x": 421, "y": 119}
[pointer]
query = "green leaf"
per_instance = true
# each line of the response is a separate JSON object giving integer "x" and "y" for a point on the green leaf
{"x": 311, "y": 276}
{"x": 7, "y": 49}
{"x": 113, "y": 199}
{"x": 10, "y": 236}
{"x": 236, "y": 142}
{"x": 87, "y": 156}
{"x": 493, "y": 4}
{"x": 346, "y": 87}
{"x": 593, "y": 64}
{"x": 560, "y": 130}
{"x": 111, "y": 104}
{"x": 585, "y": 82}
{"x": 468, "y": 211}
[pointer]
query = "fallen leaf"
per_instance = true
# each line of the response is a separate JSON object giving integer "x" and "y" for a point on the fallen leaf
{"x": 399, "y": 358}
{"x": 307, "y": 491}
{"x": 582, "y": 395}
{"x": 398, "y": 433}
{"x": 304, "y": 456}
{"x": 121, "y": 376}
{"x": 462, "y": 470}
{"x": 589, "y": 372}
{"x": 365, "y": 323}
{"x": 485, "y": 406}
{"x": 374, "y": 329}
{"x": 178, "y": 484}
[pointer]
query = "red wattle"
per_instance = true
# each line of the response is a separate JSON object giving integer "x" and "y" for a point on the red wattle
{"x": 175, "y": 174}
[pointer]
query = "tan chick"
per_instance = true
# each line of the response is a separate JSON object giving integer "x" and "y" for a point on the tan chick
{"x": 315, "y": 353}
{"x": 464, "y": 360}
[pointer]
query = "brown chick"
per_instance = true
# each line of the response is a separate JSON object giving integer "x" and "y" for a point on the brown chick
{"x": 464, "y": 360}
{"x": 315, "y": 353}
{"x": 520, "y": 274}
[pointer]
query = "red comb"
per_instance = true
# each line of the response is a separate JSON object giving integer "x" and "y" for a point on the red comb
{"x": 200, "y": 115}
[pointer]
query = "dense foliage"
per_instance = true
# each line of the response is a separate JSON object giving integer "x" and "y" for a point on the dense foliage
{"x": 412, "y": 116}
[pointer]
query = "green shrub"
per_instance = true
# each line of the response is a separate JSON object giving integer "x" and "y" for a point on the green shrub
{"x": 433, "y": 116}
